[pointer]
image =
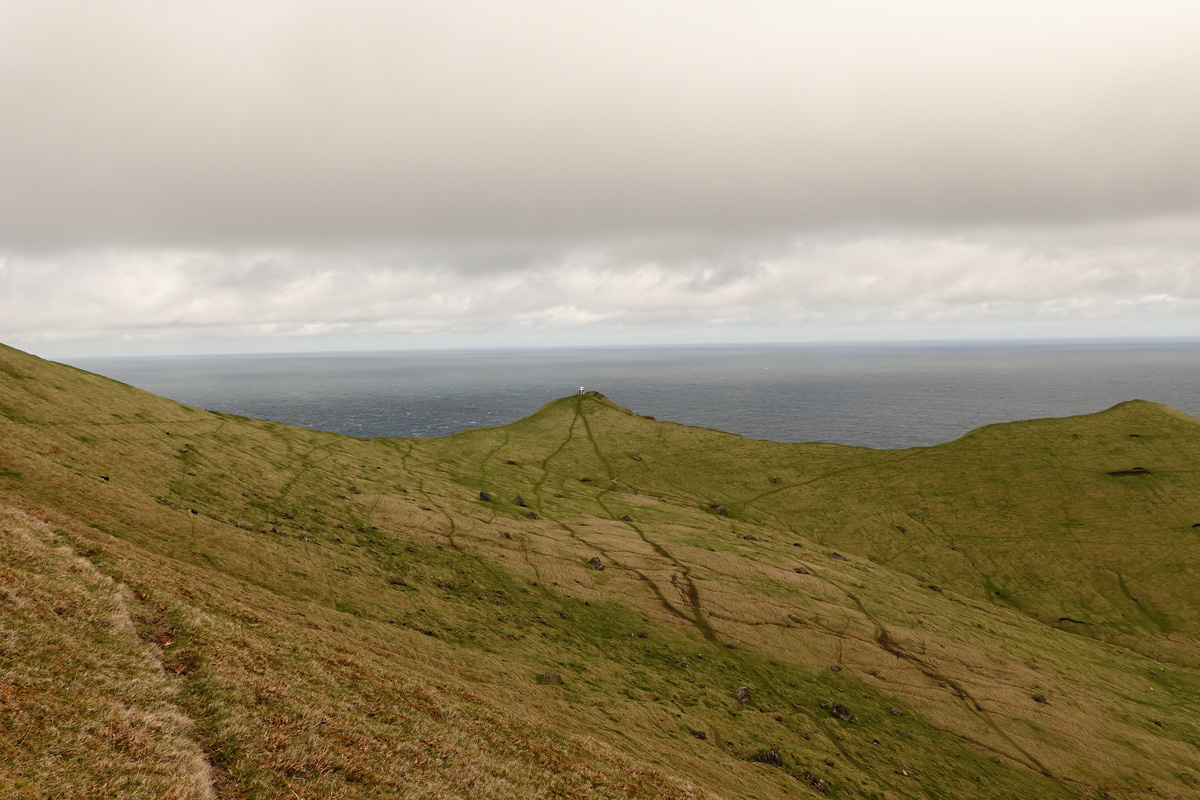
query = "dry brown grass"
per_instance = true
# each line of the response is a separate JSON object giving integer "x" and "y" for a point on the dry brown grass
{"x": 87, "y": 709}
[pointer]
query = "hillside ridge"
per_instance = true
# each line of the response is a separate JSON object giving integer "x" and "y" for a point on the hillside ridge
{"x": 590, "y": 603}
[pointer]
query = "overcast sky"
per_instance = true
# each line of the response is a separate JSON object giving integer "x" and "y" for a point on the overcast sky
{"x": 258, "y": 176}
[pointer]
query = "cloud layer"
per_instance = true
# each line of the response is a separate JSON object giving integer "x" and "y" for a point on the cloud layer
{"x": 832, "y": 288}
{"x": 471, "y": 167}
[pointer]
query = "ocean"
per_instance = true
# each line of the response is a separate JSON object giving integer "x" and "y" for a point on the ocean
{"x": 874, "y": 395}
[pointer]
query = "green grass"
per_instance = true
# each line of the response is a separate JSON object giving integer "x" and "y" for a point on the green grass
{"x": 313, "y": 615}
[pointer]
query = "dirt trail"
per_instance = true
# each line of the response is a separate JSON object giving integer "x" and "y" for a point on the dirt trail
{"x": 696, "y": 615}
{"x": 749, "y": 501}
{"x": 884, "y": 640}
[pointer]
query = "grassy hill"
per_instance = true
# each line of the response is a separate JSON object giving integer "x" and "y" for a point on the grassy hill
{"x": 200, "y": 605}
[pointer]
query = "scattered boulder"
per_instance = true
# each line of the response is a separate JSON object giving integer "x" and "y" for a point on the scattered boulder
{"x": 701, "y": 735}
{"x": 533, "y": 515}
{"x": 636, "y": 458}
{"x": 750, "y": 538}
{"x": 795, "y": 619}
{"x": 836, "y": 668}
{"x": 551, "y": 677}
{"x": 722, "y": 511}
{"x": 935, "y": 587}
{"x": 485, "y": 497}
{"x": 742, "y": 694}
{"x": 520, "y": 501}
{"x": 626, "y": 518}
{"x": 820, "y": 784}
{"x": 896, "y": 712}
{"x": 510, "y": 462}
{"x": 1041, "y": 698}
{"x": 837, "y": 556}
{"x": 596, "y": 562}
{"x": 841, "y": 712}
{"x": 771, "y": 757}
{"x": 801, "y": 570}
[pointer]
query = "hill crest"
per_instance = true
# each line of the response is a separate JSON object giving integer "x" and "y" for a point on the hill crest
{"x": 322, "y": 615}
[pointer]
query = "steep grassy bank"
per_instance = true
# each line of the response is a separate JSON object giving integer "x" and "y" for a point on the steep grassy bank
{"x": 254, "y": 610}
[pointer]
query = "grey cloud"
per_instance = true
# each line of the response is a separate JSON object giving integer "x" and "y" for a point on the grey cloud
{"x": 297, "y": 124}
{"x": 814, "y": 287}
{"x": 232, "y": 175}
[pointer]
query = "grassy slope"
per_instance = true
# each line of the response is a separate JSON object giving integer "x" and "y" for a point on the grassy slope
{"x": 255, "y": 610}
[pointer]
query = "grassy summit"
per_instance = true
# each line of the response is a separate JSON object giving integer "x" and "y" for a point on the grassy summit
{"x": 201, "y": 605}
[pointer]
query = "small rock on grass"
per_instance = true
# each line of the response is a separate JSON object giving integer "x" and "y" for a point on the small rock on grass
{"x": 1041, "y": 698}
{"x": 596, "y": 562}
{"x": 771, "y": 757}
{"x": 551, "y": 677}
{"x": 742, "y": 694}
{"x": 485, "y": 497}
{"x": 820, "y": 784}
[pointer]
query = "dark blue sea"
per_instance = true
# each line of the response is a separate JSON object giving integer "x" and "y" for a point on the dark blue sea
{"x": 877, "y": 395}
